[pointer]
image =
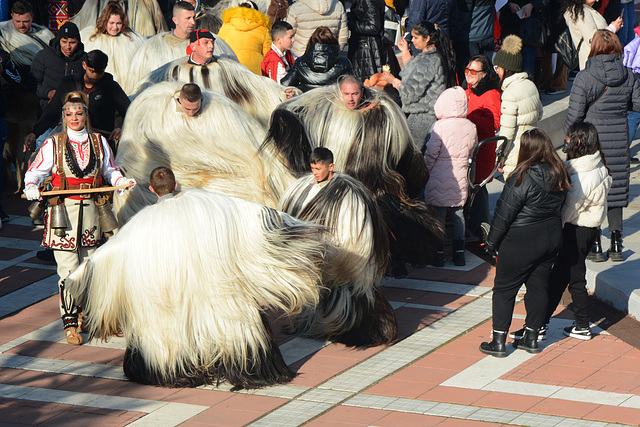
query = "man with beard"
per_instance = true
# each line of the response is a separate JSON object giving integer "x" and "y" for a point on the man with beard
{"x": 106, "y": 97}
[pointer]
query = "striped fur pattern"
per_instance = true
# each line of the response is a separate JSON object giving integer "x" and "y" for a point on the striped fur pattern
{"x": 372, "y": 144}
{"x": 187, "y": 281}
{"x": 352, "y": 310}
{"x": 257, "y": 95}
{"x": 217, "y": 150}
{"x": 144, "y": 16}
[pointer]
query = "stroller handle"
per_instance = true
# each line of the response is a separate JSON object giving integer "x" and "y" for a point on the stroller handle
{"x": 499, "y": 158}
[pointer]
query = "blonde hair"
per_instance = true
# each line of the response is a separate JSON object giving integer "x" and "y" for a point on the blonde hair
{"x": 75, "y": 97}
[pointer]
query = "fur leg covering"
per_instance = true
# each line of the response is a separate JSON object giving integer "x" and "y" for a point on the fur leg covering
{"x": 187, "y": 281}
{"x": 216, "y": 150}
{"x": 352, "y": 310}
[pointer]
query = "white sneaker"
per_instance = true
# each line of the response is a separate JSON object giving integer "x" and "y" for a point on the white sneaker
{"x": 579, "y": 333}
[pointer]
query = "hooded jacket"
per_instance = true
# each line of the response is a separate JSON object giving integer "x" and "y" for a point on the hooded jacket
{"x": 448, "y": 151}
{"x": 608, "y": 114}
{"x": 532, "y": 202}
{"x": 50, "y": 66}
{"x": 307, "y": 15}
{"x": 321, "y": 66}
{"x": 246, "y": 31}
{"x": 586, "y": 202}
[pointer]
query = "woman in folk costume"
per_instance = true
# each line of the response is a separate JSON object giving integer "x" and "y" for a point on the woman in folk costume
{"x": 113, "y": 36}
{"x": 211, "y": 265}
{"x": 352, "y": 309}
{"x": 144, "y": 16}
{"x": 76, "y": 159}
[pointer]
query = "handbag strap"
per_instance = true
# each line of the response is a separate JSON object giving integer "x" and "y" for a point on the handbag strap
{"x": 599, "y": 96}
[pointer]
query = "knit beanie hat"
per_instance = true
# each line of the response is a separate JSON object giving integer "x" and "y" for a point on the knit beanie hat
{"x": 69, "y": 31}
{"x": 509, "y": 56}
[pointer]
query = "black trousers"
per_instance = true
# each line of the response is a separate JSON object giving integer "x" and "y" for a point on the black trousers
{"x": 570, "y": 269}
{"x": 526, "y": 255}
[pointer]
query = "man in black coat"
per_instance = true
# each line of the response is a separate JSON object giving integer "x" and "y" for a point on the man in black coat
{"x": 62, "y": 58}
{"x": 106, "y": 97}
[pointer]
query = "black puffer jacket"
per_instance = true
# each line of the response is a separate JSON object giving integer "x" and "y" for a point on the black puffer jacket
{"x": 366, "y": 21}
{"x": 321, "y": 66}
{"x": 50, "y": 67}
{"x": 608, "y": 114}
{"x": 530, "y": 203}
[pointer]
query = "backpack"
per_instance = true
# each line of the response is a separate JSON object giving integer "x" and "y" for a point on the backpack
{"x": 567, "y": 51}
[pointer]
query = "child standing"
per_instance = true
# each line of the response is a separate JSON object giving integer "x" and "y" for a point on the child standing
{"x": 279, "y": 59}
{"x": 447, "y": 156}
{"x": 583, "y": 211}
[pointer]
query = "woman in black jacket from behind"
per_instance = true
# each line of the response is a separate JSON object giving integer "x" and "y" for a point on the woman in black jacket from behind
{"x": 321, "y": 64}
{"x": 527, "y": 232}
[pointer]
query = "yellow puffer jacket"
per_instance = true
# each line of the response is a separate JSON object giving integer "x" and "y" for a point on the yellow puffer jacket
{"x": 247, "y": 32}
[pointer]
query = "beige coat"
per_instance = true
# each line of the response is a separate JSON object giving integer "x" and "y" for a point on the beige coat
{"x": 307, "y": 15}
{"x": 583, "y": 29}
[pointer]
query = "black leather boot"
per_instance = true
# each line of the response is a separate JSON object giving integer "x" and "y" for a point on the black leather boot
{"x": 497, "y": 347}
{"x": 615, "y": 251}
{"x": 529, "y": 341}
{"x": 596, "y": 254}
{"x": 458, "y": 253}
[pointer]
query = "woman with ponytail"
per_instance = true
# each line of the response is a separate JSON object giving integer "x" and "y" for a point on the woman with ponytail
{"x": 424, "y": 77}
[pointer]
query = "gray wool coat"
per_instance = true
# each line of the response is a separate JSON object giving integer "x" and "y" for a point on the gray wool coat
{"x": 608, "y": 114}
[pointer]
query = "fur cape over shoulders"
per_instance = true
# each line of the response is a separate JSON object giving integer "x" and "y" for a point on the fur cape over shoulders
{"x": 22, "y": 47}
{"x": 187, "y": 281}
{"x": 257, "y": 95}
{"x": 352, "y": 310}
{"x": 216, "y": 150}
{"x": 144, "y": 16}
{"x": 120, "y": 50}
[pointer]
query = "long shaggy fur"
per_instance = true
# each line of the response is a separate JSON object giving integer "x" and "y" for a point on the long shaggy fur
{"x": 120, "y": 50}
{"x": 22, "y": 47}
{"x": 216, "y": 150}
{"x": 257, "y": 95}
{"x": 144, "y": 16}
{"x": 352, "y": 310}
{"x": 162, "y": 49}
{"x": 187, "y": 280}
{"x": 373, "y": 145}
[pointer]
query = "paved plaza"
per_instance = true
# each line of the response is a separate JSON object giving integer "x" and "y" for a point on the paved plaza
{"x": 432, "y": 375}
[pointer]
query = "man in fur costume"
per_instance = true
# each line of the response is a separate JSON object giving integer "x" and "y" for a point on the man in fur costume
{"x": 257, "y": 95}
{"x": 200, "y": 268}
{"x": 144, "y": 16}
{"x": 168, "y": 46}
{"x": 372, "y": 143}
{"x": 215, "y": 147}
{"x": 352, "y": 310}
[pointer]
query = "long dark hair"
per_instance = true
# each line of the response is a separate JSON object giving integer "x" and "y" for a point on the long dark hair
{"x": 536, "y": 148}
{"x": 439, "y": 38}
{"x": 575, "y": 8}
{"x": 583, "y": 141}
{"x": 489, "y": 72}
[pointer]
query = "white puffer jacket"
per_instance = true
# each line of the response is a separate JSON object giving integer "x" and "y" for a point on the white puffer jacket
{"x": 586, "y": 202}
{"x": 520, "y": 111}
{"x": 307, "y": 15}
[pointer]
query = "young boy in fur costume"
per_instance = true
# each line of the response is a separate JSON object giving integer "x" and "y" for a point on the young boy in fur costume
{"x": 162, "y": 182}
{"x": 352, "y": 310}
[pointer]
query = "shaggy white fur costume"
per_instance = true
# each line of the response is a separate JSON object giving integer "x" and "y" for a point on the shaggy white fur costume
{"x": 352, "y": 310}
{"x": 23, "y": 47}
{"x": 187, "y": 281}
{"x": 257, "y": 95}
{"x": 216, "y": 150}
{"x": 144, "y": 16}
{"x": 164, "y": 48}
{"x": 120, "y": 50}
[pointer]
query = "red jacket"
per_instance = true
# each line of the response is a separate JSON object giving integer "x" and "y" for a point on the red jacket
{"x": 270, "y": 62}
{"x": 484, "y": 112}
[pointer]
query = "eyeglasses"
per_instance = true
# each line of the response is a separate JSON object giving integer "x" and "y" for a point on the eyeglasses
{"x": 472, "y": 72}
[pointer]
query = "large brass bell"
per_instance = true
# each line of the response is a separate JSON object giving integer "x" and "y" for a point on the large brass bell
{"x": 108, "y": 221}
{"x": 59, "y": 221}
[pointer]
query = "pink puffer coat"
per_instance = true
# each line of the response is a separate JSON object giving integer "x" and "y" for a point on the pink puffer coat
{"x": 448, "y": 150}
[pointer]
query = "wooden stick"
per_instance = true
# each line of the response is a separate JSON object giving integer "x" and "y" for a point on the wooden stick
{"x": 82, "y": 191}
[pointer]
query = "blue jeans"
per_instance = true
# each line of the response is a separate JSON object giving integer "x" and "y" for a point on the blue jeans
{"x": 633, "y": 119}
{"x": 457, "y": 214}
{"x": 626, "y": 33}
{"x": 529, "y": 60}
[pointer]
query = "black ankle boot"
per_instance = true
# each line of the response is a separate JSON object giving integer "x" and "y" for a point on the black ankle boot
{"x": 496, "y": 347}
{"x": 458, "y": 253}
{"x": 596, "y": 254}
{"x": 615, "y": 251}
{"x": 529, "y": 341}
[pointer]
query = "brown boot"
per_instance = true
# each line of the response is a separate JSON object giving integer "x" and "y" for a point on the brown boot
{"x": 72, "y": 336}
